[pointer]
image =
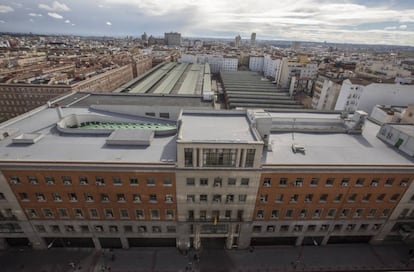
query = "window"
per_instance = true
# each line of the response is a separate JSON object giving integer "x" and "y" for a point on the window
{"x": 99, "y": 181}
{"x": 55, "y": 228}
{"x": 190, "y": 198}
{"x": 40, "y": 228}
{"x": 324, "y": 228}
{"x": 242, "y": 198}
{"x": 66, "y": 180}
{"x": 275, "y": 214}
{"x": 358, "y": 213}
{"x": 244, "y": 182}
{"x": 345, "y": 213}
{"x": 104, "y": 197}
{"x": 155, "y": 214}
{"x": 317, "y": 213}
{"x": 217, "y": 182}
{"x": 314, "y": 182}
{"x": 345, "y": 182}
{"x": 136, "y": 198}
{"x": 374, "y": 182}
{"x": 142, "y": 229}
{"x": 284, "y": 228}
{"x": 99, "y": 228}
{"x": 330, "y": 182}
{"x": 359, "y": 182}
{"x": 338, "y": 227}
{"x": 216, "y": 198}
{"x": 24, "y": 196}
{"x": 2, "y": 197}
{"x": 294, "y": 198}
{"x": 404, "y": 182}
{"x": 49, "y": 180}
{"x": 69, "y": 228}
{"x": 263, "y": 198}
{"x": 203, "y": 215}
{"x": 169, "y": 214}
{"x": 72, "y": 197}
{"x": 167, "y": 182}
{"x": 250, "y": 157}
{"x": 230, "y": 198}
{"x": 32, "y": 213}
{"x": 150, "y": 182}
{"x": 188, "y": 157}
{"x": 331, "y": 213}
{"x": 171, "y": 229}
{"x": 14, "y": 180}
{"x": 394, "y": 197}
{"x": 150, "y": 114}
{"x": 63, "y": 213}
{"x": 153, "y": 198}
{"x": 127, "y": 228}
{"x": 267, "y": 182}
{"x": 190, "y": 215}
{"x": 302, "y": 213}
{"x": 78, "y": 213}
{"x": 338, "y": 197}
{"x": 139, "y": 214}
{"x": 190, "y": 181}
{"x": 372, "y": 212}
{"x": 352, "y": 197}
{"x": 380, "y": 197}
{"x": 308, "y": 198}
{"x": 289, "y": 214}
{"x": 366, "y": 197}
{"x": 83, "y": 180}
{"x": 350, "y": 227}
{"x": 32, "y": 180}
{"x": 279, "y": 198}
{"x": 260, "y": 214}
{"x": 40, "y": 197}
{"x": 93, "y": 213}
{"x": 133, "y": 181}
{"x": 165, "y": 115}
{"x": 109, "y": 214}
{"x": 47, "y": 213}
{"x": 389, "y": 182}
{"x": 298, "y": 228}
{"x": 299, "y": 182}
{"x": 283, "y": 182}
{"x": 385, "y": 212}
{"x": 120, "y": 197}
{"x": 257, "y": 228}
{"x": 219, "y": 157}
{"x": 227, "y": 214}
{"x": 56, "y": 197}
{"x": 323, "y": 197}
{"x": 363, "y": 227}
{"x": 156, "y": 229}
{"x": 231, "y": 181}
{"x": 116, "y": 181}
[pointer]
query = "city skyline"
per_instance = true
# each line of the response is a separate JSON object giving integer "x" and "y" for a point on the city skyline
{"x": 351, "y": 21}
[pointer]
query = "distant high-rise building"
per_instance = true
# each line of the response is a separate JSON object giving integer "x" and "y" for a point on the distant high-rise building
{"x": 237, "y": 41}
{"x": 253, "y": 39}
{"x": 172, "y": 38}
{"x": 144, "y": 37}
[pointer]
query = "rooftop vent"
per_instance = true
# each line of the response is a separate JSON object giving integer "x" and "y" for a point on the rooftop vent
{"x": 298, "y": 149}
{"x": 27, "y": 138}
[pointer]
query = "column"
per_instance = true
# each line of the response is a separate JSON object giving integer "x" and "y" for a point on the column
{"x": 299, "y": 240}
{"x": 230, "y": 236}
{"x": 194, "y": 150}
{"x": 124, "y": 242}
{"x": 238, "y": 157}
{"x": 244, "y": 158}
{"x": 96, "y": 243}
{"x": 200, "y": 157}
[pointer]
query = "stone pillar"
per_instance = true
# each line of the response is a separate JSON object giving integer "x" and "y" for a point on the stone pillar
{"x": 200, "y": 157}
{"x": 230, "y": 236}
{"x": 124, "y": 242}
{"x": 197, "y": 238}
{"x": 195, "y": 157}
{"x": 244, "y": 158}
{"x": 97, "y": 243}
{"x": 245, "y": 235}
{"x": 299, "y": 240}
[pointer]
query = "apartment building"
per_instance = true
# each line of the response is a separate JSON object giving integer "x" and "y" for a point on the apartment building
{"x": 325, "y": 93}
{"x": 238, "y": 177}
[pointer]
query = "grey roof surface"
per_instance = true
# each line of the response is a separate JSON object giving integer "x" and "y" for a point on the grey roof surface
{"x": 339, "y": 148}
{"x": 214, "y": 127}
{"x": 407, "y": 129}
{"x": 137, "y": 99}
{"x": 56, "y": 147}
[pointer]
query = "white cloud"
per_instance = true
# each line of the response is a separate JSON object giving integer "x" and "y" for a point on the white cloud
{"x": 403, "y": 27}
{"x": 73, "y": 24}
{"x": 5, "y": 9}
{"x": 390, "y": 28}
{"x": 55, "y": 15}
{"x": 35, "y": 14}
{"x": 31, "y": 20}
{"x": 67, "y": 21}
{"x": 56, "y": 6}
{"x": 2, "y": 22}
{"x": 109, "y": 23}
{"x": 100, "y": 6}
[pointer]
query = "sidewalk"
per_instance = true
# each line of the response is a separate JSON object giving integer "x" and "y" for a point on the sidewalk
{"x": 359, "y": 257}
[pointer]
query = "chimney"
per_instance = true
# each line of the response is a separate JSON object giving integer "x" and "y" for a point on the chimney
{"x": 59, "y": 111}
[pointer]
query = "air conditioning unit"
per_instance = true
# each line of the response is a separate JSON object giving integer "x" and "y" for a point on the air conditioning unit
{"x": 308, "y": 200}
{"x": 105, "y": 199}
{"x": 266, "y": 184}
{"x": 140, "y": 216}
{"x": 263, "y": 199}
{"x": 40, "y": 198}
{"x": 14, "y": 181}
{"x": 403, "y": 184}
{"x": 83, "y": 183}
{"x": 99, "y": 183}
{"x": 137, "y": 199}
{"x": 89, "y": 198}
{"x": 121, "y": 199}
{"x": 260, "y": 216}
{"x": 73, "y": 199}
{"x": 323, "y": 227}
{"x": 344, "y": 184}
{"x": 272, "y": 229}
{"x": 67, "y": 182}
{"x": 109, "y": 215}
{"x": 168, "y": 199}
{"x": 296, "y": 228}
{"x": 374, "y": 184}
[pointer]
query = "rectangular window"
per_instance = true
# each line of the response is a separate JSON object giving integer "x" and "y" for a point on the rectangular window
{"x": 380, "y": 197}
{"x": 93, "y": 213}
{"x": 150, "y": 182}
{"x": 120, "y": 197}
{"x": 314, "y": 182}
{"x": 279, "y": 198}
{"x": 219, "y": 157}
{"x": 32, "y": 180}
{"x": 389, "y": 182}
{"x": 283, "y": 182}
{"x": 345, "y": 213}
{"x": 294, "y": 198}
{"x": 24, "y": 196}
{"x": 167, "y": 182}
{"x": 359, "y": 182}
{"x": 374, "y": 182}
{"x": 267, "y": 182}
{"x": 263, "y": 198}
{"x": 67, "y": 180}
{"x": 165, "y": 115}
{"x": 289, "y": 214}
{"x": 139, "y": 214}
{"x": 203, "y": 182}
{"x": 78, "y": 213}
{"x": 133, "y": 181}
{"x": 99, "y": 181}
{"x": 49, "y": 180}
{"x": 153, "y": 198}
{"x": 190, "y": 198}
{"x": 345, "y": 182}
{"x": 299, "y": 182}
{"x": 47, "y": 213}
{"x": 230, "y": 198}
{"x": 331, "y": 213}
{"x": 190, "y": 181}
{"x": 394, "y": 197}
{"x": 366, "y": 197}
{"x": 242, "y": 198}
{"x": 188, "y": 157}
{"x": 116, "y": 181}
{"x": 83, "y": 180}
{"x": 338, "y": 198}
{"x": 372, "y": 212}
{"x": 323, "y": 197}
{"x": 330, "y": 182}
{"x": 274, "y": 214}
{"x": 250, "y": 157}
{"x": 260, "y": 214}
{"x": 231, "y": 181}
{"x": 244, "y": 182}
{"x": 124, "y": 213}
{"x": 104, "y": 197}
{"x": 352, "y": 197}
{"x": 169, "y": 214}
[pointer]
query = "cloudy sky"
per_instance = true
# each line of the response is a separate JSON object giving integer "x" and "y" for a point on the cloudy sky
{"x": 350, "y": 21}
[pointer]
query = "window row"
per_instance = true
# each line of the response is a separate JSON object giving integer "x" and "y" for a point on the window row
{"x": 78, "y": 213}
{"x": 309, "y": 198}
{"x": 101, "y": 228}
{"x": 217, "y": 198}
{"x": 98, "y": 180}
{"x": 316, "y": 228}
{"x": 318, "y": 213}
{"x": 217, "y": 182}
{"x": 345, "y": 182}
{"x": 89, "y": 197}
{"x": 215, "y": 215}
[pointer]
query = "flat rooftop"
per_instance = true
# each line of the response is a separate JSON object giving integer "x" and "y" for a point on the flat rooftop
{"x": 332, "y": 148}
{"x": 79, "y": 148}
{"x": 216, "y": 127}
